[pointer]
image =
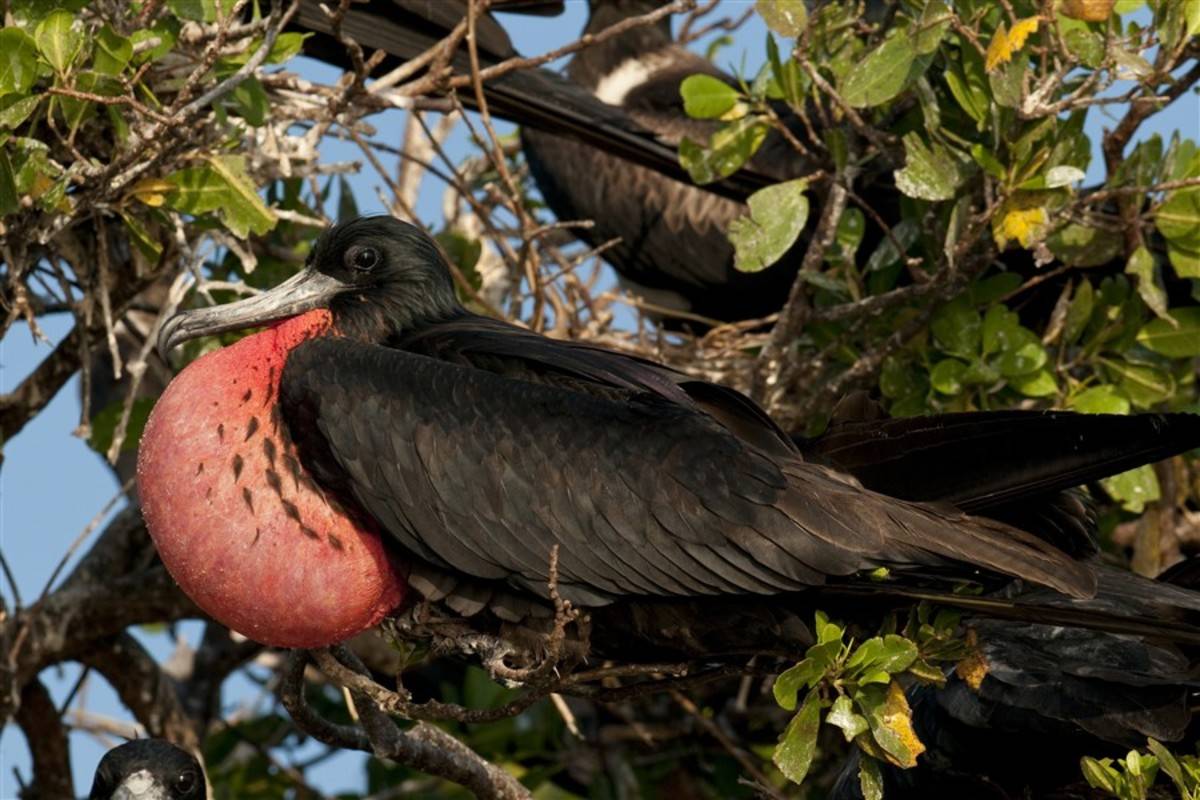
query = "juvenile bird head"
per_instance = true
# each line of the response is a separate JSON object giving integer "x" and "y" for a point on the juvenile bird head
{"x": 376, "y": 275}
{"x": 148, "y": 769}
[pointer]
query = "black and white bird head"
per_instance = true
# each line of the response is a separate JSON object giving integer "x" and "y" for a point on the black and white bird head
{"x": 148, "y": 769}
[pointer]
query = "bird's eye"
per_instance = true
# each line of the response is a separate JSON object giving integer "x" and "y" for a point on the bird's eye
{"x": 184, "y": 782}
{"x": 362, "y": 259}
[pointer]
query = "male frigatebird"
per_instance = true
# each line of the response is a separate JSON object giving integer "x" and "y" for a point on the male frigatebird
{"x": 378, "y": 445}
{"x": 148, "y": 769}
{"x": 378, "y": 439}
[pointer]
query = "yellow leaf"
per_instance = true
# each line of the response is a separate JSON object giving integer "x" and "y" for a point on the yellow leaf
{"x": 974, "y": 668}
{"x": 1088, "y": 10}
{"x": 151, "y": 191}
{"x": 1017, "y": 221}
{"x": 897, "y": 717}
{"x": 1005, "y": 42}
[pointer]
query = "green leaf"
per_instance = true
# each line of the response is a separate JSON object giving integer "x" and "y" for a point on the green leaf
{"x": 1186, "y": 262}
{"x": 1102, "y": 399}
{"x": 1079, "y": 313}
{"x": 932, "y": 26}
{"x": 1133, "y": 489}
{"x": 883, "y": 74}
{"x": 15, "y": 108}
{"x": 969, "y": 84}
{"x": 145, "y": 243}
{"x": 58, "y": 40}
{"x": 1023, "y": 354}
{"x": 1038, "y": 384}
{"x": 287, "y": 46}
{"x": 18, "y": 61}
{"x": 956, "y": 327}
{"x": 1099, "y": 774}
{"x": 777, "y": 216}
{"x": 789, "y": 682}
{"x": 794, "y": 753}
{"x": 728, "y": 149}
{"x": 250, "y": 99}
{"x": 113, "y": 51}
{"x": 1181, "y": 341}
{"x": 842, "y": 715}
{"x": 221, "y": 185}
{"x": 931, "y": 170}
{"x": 947, "y": 376}
{"x": 1149, "y": 282}
{"x": 1178, "y": 219}
{"x": 198, "y": 10}
{"x": 785, "y": 17}
{"x": 706, "y": 97}
{"x": 165, "y": 32}
{"x": 1084, "y": 246}
{"x": 1005, "y": 83}
{"x": 104, "y": 425}
{"x": 870, "y": 778}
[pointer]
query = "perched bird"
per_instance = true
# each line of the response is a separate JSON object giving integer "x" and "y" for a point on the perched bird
{"x": 617, "y": 117}
{"x": 378, "y": 446}
{"x": 148, "y": 769}
{"x": 381, "y": 440}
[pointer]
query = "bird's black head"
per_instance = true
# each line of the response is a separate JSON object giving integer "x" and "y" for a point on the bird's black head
{"x": 378, "y": 276}
{"x": 393, "y": 277}
{"x": 148, "y": 769}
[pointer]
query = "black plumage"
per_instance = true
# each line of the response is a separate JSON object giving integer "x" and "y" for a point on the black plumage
{"x": 500, "y": 445}
{"x": 688, "y": 524}
{"x": 148, "y": 769}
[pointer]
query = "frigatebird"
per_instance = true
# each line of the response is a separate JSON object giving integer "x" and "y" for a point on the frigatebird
{"x": 379, "y": 438}
{"x": 602, "y": 145}
{"x": 148, "y": 769}
{"x": 378, "y": 445}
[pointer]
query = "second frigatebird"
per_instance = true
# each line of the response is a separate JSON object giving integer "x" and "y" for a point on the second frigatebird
{"x": 379, "y": 442}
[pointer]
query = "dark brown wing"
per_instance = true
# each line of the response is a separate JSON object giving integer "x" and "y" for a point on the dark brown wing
{"x": 484, "y": 474}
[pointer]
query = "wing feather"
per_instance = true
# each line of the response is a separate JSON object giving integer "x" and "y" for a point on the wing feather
{"x": 484, "y": 474}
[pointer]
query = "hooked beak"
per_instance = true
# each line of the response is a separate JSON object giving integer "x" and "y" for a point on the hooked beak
{"x": 305, "y": 291}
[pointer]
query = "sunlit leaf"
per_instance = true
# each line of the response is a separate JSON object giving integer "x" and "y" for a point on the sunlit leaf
{"x": 1005, "y": 43}
{"x": 785, "y": 17}
{"x": 58, "y": 40}
{"x": 1102, "y": 399}
{"x": 931, "y": 170}
{"x": 1175, "y": 341}
{"x": 1088, "y": 10}
{"x": 1020, "y": 222}
{"x": 220, "y": 185}
{"x": 890, "y": 719}
{"x": 706, "y": 97}
{"x": 882, "y": 74}
{"x": 777, "y": 216}
{"x": 842, "y": 715}
{"x": 1142, "y": 265}
{"x": 1134, "y": 489}
{"x": 15, "y": 108}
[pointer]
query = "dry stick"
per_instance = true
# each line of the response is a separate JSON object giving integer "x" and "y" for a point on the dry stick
{"x": 776, "y": 370}
{"x": 495, "y": 153}
{"x": 423, "y": 747}
{"x": 761, "y": 782}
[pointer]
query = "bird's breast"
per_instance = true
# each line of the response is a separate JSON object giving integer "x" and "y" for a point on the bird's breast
{"x": 237, "y": 519}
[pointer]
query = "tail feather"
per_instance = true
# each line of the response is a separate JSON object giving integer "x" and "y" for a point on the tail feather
{"x": 981, "y": 461}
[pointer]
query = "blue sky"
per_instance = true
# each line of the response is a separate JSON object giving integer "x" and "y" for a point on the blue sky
{"x": 51, "y": 484}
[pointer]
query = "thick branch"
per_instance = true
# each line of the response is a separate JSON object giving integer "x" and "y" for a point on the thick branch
{"x": 47, "y": 738}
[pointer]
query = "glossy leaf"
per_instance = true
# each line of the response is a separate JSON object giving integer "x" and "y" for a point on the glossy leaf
{"x": 220, "y": 185}
{"x": 18, "y": 61}
{"x": 706, "y": 97}
{"x": 842, "y": 715}
{"x": 931, "y": 171}
{"x": 1103, "y": 399}
{"x": 15, "y": 108}
{"x": 58, "y": 40}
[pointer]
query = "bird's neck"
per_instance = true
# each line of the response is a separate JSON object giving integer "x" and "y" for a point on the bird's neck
{"x": 593, "y": 64}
